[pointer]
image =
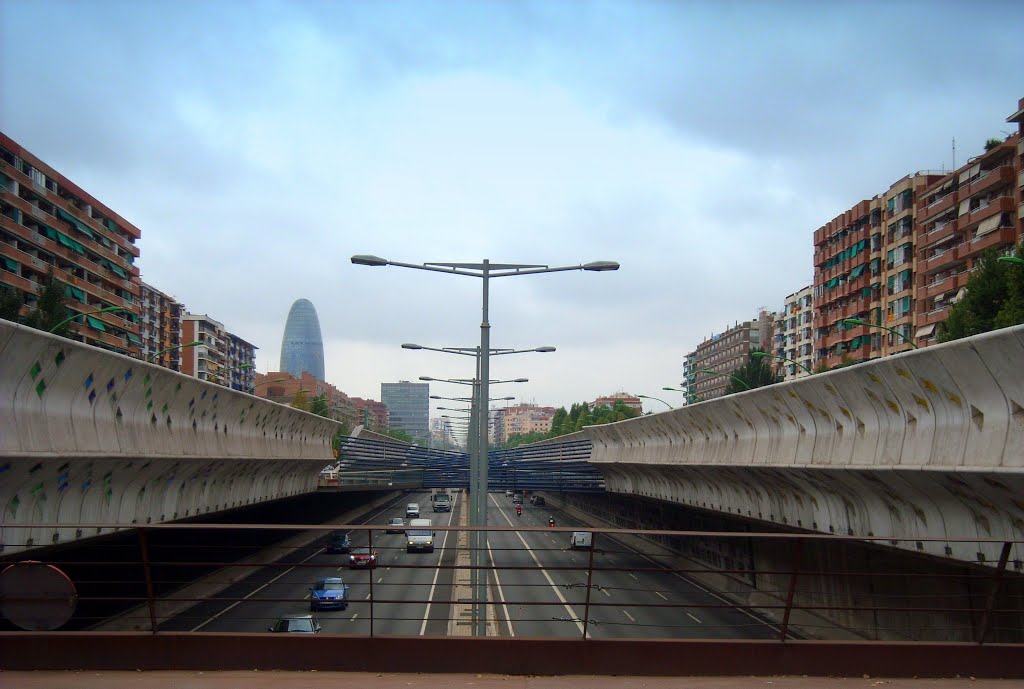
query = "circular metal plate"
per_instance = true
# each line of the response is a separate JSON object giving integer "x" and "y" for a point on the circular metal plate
{"x": 36, "y": 597}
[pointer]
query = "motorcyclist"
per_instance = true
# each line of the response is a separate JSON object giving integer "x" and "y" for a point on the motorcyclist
{"x": 551, "y": 521}
{"x": 519, "y": 510}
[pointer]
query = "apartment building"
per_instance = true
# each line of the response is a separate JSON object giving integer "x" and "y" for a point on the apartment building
{"x": 689, "y": 383}
{"x": 709, "y": 365}
{"x": 521, "y": 419}
{"x": 48, "y": 223}
{"x": 160, "y": 327}
{"x": 222, "y": 357}
{"x": 631, "y": 401}
{"x": 793, "y": 335}
{"x": 969, "y": 211}
{"x": 864, "y": 266}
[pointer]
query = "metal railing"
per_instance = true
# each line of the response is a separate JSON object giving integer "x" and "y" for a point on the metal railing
{"x": 623, "y": 584}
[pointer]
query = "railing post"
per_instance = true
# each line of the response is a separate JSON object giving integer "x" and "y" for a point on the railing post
{"x": 590, "y": 578}
{"x": 147, "y": 573}
{"x": 990, "y": 602}
{"x": 792, "y": 590}
{"x": 372, "y": 570}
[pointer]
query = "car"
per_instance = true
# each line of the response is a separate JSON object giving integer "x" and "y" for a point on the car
{"x": 339, "y": 542}
{"x": 396, "y": 525}
{"x": 363, "y": 557}
{"x": 517, "y": 499}
{"x": 330, "y": 593}
{"x": 508, "y": 494}
{"x": 412, "y": 510}
{"x": 301, "y": 624}
{"x": 538, "y": 500}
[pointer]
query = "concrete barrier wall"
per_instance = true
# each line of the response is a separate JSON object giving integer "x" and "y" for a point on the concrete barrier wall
{"x": 91, "y": 436}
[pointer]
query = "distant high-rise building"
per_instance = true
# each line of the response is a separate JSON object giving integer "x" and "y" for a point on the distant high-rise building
{"x": 722, "y": 354}
{"x": 160, "y": 327}
{"x": 222, "y": 357}
{"x": 302, "y": 347}
{"x": 794, "y": 334}
{"x": 408, "y": 407}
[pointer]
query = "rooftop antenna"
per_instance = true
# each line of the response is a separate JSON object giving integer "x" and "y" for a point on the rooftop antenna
{"x": 954, "y": 153}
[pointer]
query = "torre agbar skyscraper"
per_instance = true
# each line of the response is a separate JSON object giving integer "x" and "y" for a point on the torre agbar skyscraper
{"x": 302, "y": 348}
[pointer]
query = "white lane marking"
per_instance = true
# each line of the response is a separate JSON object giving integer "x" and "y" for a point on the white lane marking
{"x": 661, "y": 594}
{"x": 340, "y": 568}
{"x": 700, "y": 587}
{"x": 501, "y": 593}
{"x": 253, "y": 593}
{"x": 693, "y": 618}
{"x": 367, "y": 597}
{"x": 355, "y": 616}
{"x": 437, "y": 570}
{"x": 605, "y": 592}
{"x": 629, "y": 616}
{"x": 380, "y": 580}
{"x": 633, "y": 575}
{"x": 579, "y": 625}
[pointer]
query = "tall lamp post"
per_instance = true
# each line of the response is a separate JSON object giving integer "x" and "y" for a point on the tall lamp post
{"x": 169, "y": 349}
{"x": 857, "y": 321}
{"x": 648, "y": 397}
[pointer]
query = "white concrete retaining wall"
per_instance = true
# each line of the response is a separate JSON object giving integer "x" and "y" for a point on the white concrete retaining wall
{"x": 88, "y": 436}
{"x": 929, "y": 443}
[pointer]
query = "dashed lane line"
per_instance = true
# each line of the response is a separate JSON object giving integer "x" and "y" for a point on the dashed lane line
{"x": 663, "y": 596}
{"x": 501, "y": 593}
{"x": 694, "y": 618}
{"x": 629, "y": 616}
{"x": 437, "y": 570}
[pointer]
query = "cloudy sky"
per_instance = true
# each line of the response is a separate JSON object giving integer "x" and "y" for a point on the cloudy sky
{"x": 258, "y": 145}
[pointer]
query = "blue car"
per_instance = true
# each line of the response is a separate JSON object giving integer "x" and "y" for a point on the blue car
{"x": 329, "y": 594}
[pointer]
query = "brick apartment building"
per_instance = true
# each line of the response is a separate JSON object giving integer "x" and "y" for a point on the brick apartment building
{"x": 793, "y": 335}
{"x": 48, "y": 223}
{"x": 222, "y": 358}
{"x": 160, "y": 327}
{"x": 723, "y": 354}
{"x": 522, "y": 419}
{"x": 281, "y": 386}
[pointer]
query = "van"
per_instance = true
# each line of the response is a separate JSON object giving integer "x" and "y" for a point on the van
{"x": 581, "y": 540}
{"x": 441, "y": 502}
{"x": 412, "y": 510}
{"x": 419, "y": 537}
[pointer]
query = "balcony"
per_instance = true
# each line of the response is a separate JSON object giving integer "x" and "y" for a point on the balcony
{"x": 1004, "y": 236}
{"x": 994, "y": 207}
{"x": 941, "y": 259}
{"x": 936, "y": 315}
{"x": 946, "y": 284}
{"x": 989, "y": 179}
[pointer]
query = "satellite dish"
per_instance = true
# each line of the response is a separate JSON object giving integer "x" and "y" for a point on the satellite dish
{"x": 36, "y": 597}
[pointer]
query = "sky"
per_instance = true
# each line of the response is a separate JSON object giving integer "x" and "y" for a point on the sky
{"x": 259, "y": 145}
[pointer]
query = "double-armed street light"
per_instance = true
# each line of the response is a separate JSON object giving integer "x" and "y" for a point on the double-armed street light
{"x": 478, "y": 463}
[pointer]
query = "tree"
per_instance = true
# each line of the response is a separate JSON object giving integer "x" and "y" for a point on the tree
{"x": 50, "y": 309}
{"x": 994, "y": 299}
{"x": 398, "y": 434}
{"x": 320, "y": 406}
{"x": 10, "y": 304}
{"x": 300, "y": 401}
{"x": 991, "y": 143}
{"x": 756, "y": 373}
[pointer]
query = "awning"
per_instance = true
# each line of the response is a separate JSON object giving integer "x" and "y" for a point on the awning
{"x": 9, "y": 264}
{"x": 856, "y": 272}
{"x": 926, "y": 331}
{"x": 989, "y": 225}
{"x": 79, "y": 225}
{"x": 70, "y": 243}
{"x": 118, "y": 270}
{"x": 134, "y": 338}
{"x": 965, "y": 206}
{"x": 959, "y": 295}
{"x": 74, "y": 293}
{"x": 96, "y": 324}
{"x": 970, "y": 172}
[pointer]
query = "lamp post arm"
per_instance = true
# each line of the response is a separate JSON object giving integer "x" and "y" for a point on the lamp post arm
{"x": 857, "y": 321}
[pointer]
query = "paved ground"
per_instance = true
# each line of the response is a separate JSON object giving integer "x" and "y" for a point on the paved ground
{"x": 366, "y": 680}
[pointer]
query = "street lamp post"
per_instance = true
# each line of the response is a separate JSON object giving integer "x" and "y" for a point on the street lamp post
{"x": 761, "y": 355}
{"x": 266, "y": 382}
{"x": 109, "y": 309}
{"x": 220, "y": 372}
{"x": 484, "y": 271}
{"x": 690, "y": 397}
{"x": 182, "y": 346}
{"x": 857, "y": 321}
{"x": 728, "y": 375}
{"x": 1011, "y": 259}
{"x": 648, "y": 397}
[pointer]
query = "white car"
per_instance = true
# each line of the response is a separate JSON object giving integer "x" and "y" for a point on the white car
{"x": 396, "y": 525}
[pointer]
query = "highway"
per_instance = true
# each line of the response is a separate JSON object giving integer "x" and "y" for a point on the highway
{"x": 524, "y": 602}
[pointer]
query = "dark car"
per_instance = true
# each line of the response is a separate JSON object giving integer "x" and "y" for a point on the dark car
{"x": 363, "y": 557}
{"x": 329, "y": 594}
{"x": 302, "y": 624}
{"x": 339, "y": 542}
{"x": 517, "y": 499}
{"x": 537, "y": 500}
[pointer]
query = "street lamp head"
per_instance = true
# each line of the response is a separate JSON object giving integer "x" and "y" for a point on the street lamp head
{"x": 544, "y": 349}
{"x": 599, "y": 266}
{"x": 672, "y": 389}
{"x": 409, "y": 345}
{"x": 367, "y": 260}
{"x": 759, "y": 355}
{"x": 854, "y": 321}
{"x": 521, "y": 380}
{"x": 504, "y": 398}
{"x": 427, "y": 378}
